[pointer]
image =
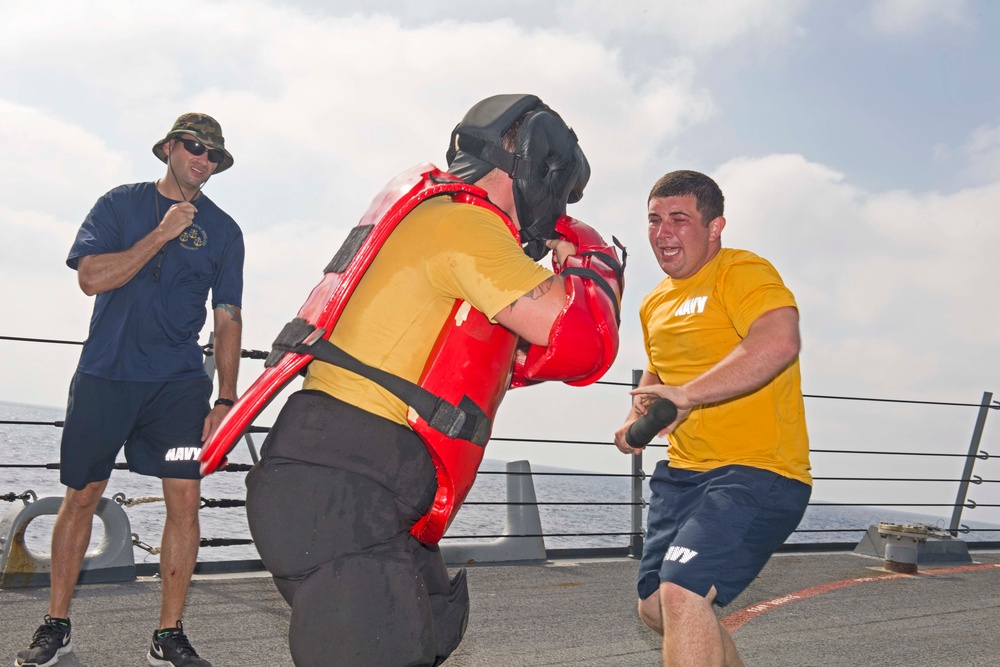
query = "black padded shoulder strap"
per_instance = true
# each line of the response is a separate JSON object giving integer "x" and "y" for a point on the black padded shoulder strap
{"x": 465, "y": 421}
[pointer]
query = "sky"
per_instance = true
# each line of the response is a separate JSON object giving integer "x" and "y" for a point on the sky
{"x": 857, "y": 143}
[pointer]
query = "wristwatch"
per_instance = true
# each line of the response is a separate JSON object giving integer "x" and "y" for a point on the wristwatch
{"x": 225, "y": 401}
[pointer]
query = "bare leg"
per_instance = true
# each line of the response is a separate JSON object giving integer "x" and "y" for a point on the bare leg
{"x": 70, "y": 538}
{"x": 650, "y": 613}
{"x": 692, "y": 636}
{"x": 179, "y": 546}
{"x": 732, "y": 656}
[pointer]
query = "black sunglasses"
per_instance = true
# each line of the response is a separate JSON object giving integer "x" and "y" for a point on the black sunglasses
{"x": 196, "y": 148}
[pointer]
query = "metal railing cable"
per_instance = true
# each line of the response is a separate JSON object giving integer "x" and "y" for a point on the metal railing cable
{"x": 242, "y": 467}
{"x": 262, "y": 354}
{"x": 993, "y": 405}
{"x": 967, "y": 479}
{"x": 981, "y": 455}
{"x": 207, "y": 348}
{"x": 237, "y": 502}
{"x": 42, "y": 340}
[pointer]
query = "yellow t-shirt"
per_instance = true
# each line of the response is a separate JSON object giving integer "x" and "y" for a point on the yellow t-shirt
{"x": 689, "y": 325}
{"x": 441, "y": 251}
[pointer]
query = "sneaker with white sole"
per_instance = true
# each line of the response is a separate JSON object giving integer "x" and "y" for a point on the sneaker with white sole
{"x": 171, "y": 648}
{"x": 51, "y": 640}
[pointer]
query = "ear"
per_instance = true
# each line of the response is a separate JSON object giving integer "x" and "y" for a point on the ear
{"x": 715, "y": 228}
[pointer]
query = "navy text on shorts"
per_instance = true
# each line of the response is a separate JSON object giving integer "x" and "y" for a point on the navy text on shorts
{"x": 716, "y": 528}
{"x": 158, "y": 423}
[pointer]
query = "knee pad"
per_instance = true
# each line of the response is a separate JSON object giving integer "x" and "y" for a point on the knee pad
{"x": 449, "y": 599}
{"x": 363, "y": 609}
{"x": 451, "y": 616}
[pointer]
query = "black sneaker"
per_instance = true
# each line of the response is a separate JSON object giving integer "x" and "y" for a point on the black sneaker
{"x": 171, "y": 648}
{"x": 51, "y": 640}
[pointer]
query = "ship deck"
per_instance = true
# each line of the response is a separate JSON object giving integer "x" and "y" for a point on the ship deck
{"x": 812, "y": 609}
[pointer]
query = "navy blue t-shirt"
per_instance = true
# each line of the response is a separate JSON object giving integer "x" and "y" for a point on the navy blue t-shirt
{"x": 147, "y": 329}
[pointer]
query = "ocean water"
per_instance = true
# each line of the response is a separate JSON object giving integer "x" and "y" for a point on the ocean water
{"x": 566, "y": 526}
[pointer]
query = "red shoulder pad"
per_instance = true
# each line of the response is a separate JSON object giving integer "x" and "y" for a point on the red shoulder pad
{"x": 328, "y": 299}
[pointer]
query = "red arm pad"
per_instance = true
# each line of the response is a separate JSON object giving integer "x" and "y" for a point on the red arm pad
{"x": 583, "y": 341}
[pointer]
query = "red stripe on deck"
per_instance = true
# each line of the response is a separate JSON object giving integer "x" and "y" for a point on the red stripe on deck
{"x": 739, "y": 618}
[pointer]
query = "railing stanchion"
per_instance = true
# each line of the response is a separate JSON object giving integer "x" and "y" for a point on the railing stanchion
{"x": 251, "y": 447}
{"x": 210, "y": 358}
{"x": 970, "y": 462}
{"x": 636, "y": 540}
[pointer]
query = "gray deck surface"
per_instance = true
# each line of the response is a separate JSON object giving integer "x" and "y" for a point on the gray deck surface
{"x": 577, "y": 613}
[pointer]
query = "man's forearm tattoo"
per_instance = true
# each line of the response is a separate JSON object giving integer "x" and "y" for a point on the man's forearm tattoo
{"x": 541, "y": 290}
{"x": 233, "y": 311}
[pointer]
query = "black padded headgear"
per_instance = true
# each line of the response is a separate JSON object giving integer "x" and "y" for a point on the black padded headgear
{"x": 548, "y": 167}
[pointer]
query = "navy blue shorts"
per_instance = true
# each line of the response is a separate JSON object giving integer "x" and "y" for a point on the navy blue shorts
{"x": 158, "y": 423}
{"x": 716, "y": 528}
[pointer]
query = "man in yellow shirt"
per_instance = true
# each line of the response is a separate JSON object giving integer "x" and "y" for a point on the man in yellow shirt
{"x": 722, "y": 337}
{"x": 344, "y": 476}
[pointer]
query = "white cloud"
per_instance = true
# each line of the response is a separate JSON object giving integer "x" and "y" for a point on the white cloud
{"x": 880, "y": 362}
{"x": 780, "y": 203}
{"x": 907, "y": 17}
{"x": 319, "y": 112}
{"x": 893, "y": 287}
{"x": 50, "y": 163}
{"x": 982, "y": 151}
{"x": 32, "y": 239}
{"x": 40, "y": 300}
{"x": 362, "y": 92}
{"x": 690, "y": 26}
{"x": 284, "y": 261}
{"x": 958, "y": 241}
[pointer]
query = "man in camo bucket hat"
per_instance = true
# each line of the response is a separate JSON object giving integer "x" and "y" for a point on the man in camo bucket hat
{"x": 202, "y": 127}
{"x": 151, "y": 253}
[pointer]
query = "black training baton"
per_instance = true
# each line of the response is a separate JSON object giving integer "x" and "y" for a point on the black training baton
{"x": 659, "y": 415}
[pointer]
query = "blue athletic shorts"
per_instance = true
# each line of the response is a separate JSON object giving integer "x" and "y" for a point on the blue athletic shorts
{"x": 716, "y": 528}
{"x": 158, "y": 423}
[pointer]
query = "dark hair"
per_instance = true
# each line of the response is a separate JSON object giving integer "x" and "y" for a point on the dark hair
{"x": 707, "y": 192}
{"x": 509, "y": 138}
